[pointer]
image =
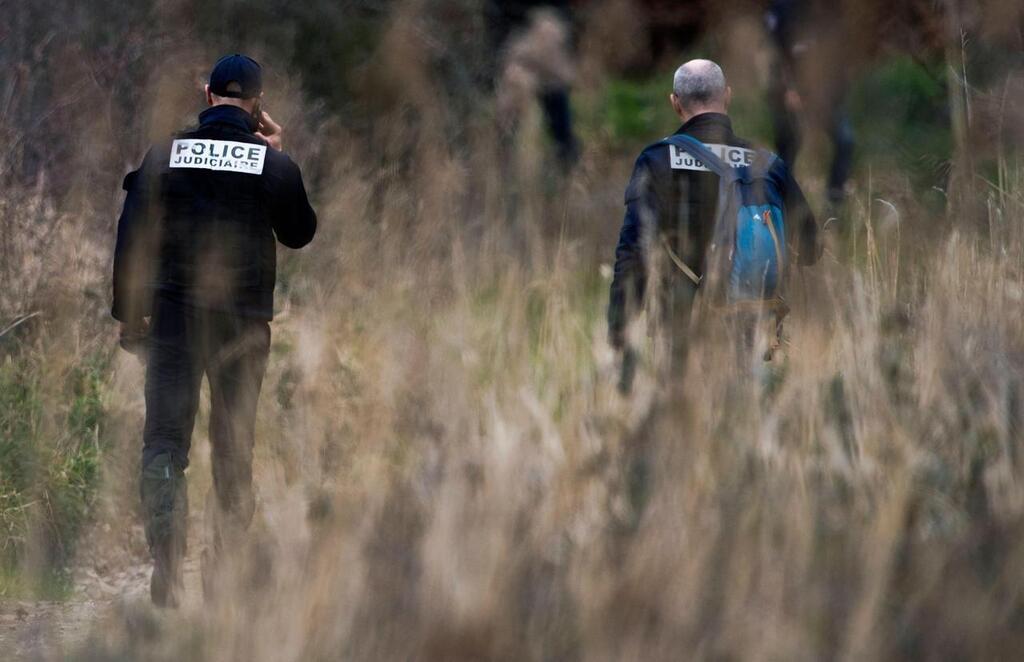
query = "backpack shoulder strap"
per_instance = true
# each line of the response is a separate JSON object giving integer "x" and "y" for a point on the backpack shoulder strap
{"x": 701, "y": 151}
{"x": 764, "y": 161}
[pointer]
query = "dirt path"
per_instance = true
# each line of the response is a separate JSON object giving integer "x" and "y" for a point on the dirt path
{"x": 51, "y": 630}
{"x": 46, "y": 630}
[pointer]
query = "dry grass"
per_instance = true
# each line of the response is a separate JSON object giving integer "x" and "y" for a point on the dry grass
{"x": 447, "y": 471}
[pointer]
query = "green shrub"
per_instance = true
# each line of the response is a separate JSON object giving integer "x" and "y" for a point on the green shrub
{"x": 49, "y": 468}
{"x": 20, "y": 416}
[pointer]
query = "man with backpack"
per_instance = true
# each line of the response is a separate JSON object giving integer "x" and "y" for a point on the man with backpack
{"x": 715, "y": 210}
{"x": 194, "y": 275}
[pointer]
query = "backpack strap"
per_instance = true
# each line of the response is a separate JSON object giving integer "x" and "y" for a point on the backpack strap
{"x": 678, "y": 261}
{"x": 701, "y": 151}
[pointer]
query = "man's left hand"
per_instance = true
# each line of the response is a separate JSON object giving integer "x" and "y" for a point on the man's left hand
{"x": 134, "y": 337}
{"x": 270, "y": 131}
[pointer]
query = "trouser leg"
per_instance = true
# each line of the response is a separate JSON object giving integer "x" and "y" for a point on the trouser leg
{"x": 165, "y": 502}
{"x": 678, "y": 314}
{"x": 786, "y": 125}
{"x": 841, "y": 133}
{"x": 558, "y": 113}
{"x": 236, "y": 361}
{"x": 172, "y": 396}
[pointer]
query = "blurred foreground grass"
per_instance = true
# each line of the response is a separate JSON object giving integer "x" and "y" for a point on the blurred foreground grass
{"x": 448, "y": 472}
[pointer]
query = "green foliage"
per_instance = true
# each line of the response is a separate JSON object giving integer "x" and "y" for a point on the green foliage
{"x": 20, "y": 415}
{"x": 901, "y": 119}
{"x": 51, "y": 438}
{"x": 637, "y": 111}
{"x": 323, "y": 41}
{"x": 899, "y": 111}
{"x": 73, "y": 465}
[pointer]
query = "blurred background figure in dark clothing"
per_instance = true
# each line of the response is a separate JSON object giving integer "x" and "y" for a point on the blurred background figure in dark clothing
{"x": 536, "y": 61}
{"x": 808, "y": 86}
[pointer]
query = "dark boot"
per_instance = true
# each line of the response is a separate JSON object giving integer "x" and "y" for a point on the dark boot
{"x": 165, "y": 505}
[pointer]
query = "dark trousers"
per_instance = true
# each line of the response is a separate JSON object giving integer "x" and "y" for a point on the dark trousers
{"x": 186, "y": 343}
{"x": 558, "y": 114}
{"x": 835, "y": 122}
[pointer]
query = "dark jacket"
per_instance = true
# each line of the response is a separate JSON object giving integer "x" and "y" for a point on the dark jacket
{"x": 679, "y": 202}
{"x": 200, "y": 218}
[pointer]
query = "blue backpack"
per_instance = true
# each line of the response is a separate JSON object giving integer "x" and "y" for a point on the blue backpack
{"x": 745, "y": 261}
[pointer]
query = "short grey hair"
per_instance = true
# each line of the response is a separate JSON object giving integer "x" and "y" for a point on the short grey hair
{"x": 699, "y": 83}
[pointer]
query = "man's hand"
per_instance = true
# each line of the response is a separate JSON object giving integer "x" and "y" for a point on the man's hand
{"x": 134, "y": 337}
{"x": 792, "y": 101}
{"x": 269, "y": 130}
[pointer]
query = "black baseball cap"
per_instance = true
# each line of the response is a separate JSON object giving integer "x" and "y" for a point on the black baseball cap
{"x": 240, "y": 69}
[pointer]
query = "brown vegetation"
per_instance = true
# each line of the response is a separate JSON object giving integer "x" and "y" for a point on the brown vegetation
{"x": 446, "y": 469}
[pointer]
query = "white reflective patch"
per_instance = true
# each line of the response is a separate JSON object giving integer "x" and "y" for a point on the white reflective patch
{"x": 218, "y": 155}
{"x": 734, "y": 156}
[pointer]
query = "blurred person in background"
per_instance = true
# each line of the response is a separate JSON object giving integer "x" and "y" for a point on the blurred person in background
{"x": 193, "y": 281}
{"x": 808, "y": 86}
{"x": 671, "y": 205}
{"x": 536, "y": 62}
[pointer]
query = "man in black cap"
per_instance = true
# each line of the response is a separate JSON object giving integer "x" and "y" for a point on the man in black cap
{"x": 194, "y": 275}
